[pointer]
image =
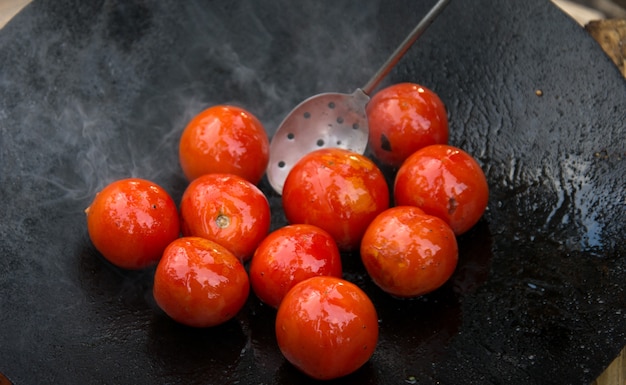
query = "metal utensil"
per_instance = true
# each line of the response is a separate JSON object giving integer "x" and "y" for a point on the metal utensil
{"x": 333, "y": 119}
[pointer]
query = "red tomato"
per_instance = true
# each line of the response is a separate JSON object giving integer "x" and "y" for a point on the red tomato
{"x": 290, "y": 255}
{"x": 408, "y": 253}
{"x": 226, "y": 209}
{"x": 200, "y": 283}
{"x": 327, "y": 327}
{"x": 444, "y": 181}
{"x": 131, "y": 221}
{"x": 224, "y": 139}
{"x": 337, "y": 190}
{"x": 402, "y": 119}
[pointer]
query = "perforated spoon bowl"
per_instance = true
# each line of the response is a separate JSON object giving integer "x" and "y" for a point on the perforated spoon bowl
{"x": 333, "y": 119}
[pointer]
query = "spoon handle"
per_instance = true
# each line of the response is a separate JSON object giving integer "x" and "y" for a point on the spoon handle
{"x": 406, "y": 44}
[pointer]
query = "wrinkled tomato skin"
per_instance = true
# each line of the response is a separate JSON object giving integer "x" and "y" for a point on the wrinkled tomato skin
{"x": 327, "y": 327}
{"x": 226, "y": 209}
{"x": 200, "y": 283}
{"x": 224, "y": 139}
{"x": 408, "y": 253}
{"x": 131, "y": 221}
{"x": 290, "y": 255}
{"x": 403, "y": 118}
{"x": 446, "y": 182}
{"x": 337, "y": 190}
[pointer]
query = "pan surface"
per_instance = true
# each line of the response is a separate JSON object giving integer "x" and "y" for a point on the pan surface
{"x": 100, "y": 90}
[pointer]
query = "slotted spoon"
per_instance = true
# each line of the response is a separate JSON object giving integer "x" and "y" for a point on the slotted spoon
{"x": 333, "y": 119}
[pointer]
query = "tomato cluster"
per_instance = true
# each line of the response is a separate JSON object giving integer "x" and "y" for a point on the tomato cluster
{"x": 217, "y": 244}
{"x": 200, "y": 247}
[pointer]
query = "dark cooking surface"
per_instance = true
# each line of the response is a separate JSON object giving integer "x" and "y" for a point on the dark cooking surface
{"x": 91, "y": 91}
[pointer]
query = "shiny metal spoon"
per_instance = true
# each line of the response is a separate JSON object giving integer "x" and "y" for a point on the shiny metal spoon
{"x": 333, "y": 119}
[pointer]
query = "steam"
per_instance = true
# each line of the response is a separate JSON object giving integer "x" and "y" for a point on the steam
{"x": 109, "y": 102}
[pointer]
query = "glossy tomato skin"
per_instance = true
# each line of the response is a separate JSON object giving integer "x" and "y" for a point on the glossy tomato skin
{"x": 446, "y": 182}
{"x": 403, "y": 118}
{"x": 327, "y": 327}
{"x": 226, "y": 209}
{"x": 200, "y": 283}
{"x": 290, "y": 255}
{"x": 408, "y": 253}
{"x": 224, "y": 139}
{"x": 337, "y": 190}
{"x": 131, "y": 221}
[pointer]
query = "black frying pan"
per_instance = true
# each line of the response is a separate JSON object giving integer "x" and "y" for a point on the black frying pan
{"x": 98, "y": 90}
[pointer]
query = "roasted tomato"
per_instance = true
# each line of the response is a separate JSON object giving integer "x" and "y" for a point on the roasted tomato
{"x": 224, "y": 139}
{"x": 337, "y": 190}
{"x": 402, "y": 119}
{"x": 131, "y": 221}
{"x": 327, "y": 327}
{"x": 408, "y": 253}
{"x": 446, "y": 182}
{"x": 226, "y": 209}
{"x": 290, "y": 255}
{"x": 200, "y": 283}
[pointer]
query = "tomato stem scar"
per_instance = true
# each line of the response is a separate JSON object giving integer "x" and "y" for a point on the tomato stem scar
{"x": 222, "y": 221}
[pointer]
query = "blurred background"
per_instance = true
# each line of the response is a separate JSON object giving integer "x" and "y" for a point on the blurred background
{"x": 605, "y": 20}
{"x": 582, "y": 11}
{"x": 595, "y": 9}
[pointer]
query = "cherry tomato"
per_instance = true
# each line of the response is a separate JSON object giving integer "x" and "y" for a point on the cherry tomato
{"x": 444, "y": 181}
{"x": 131, "y": 221}
{"x": 337, "y": 190}
{"x": 226, "y": 209}
{"x": 408, "y": 253}
{"x": 402, "y": 119}
{"x": 327, "y": 327}
{"x": 290, "y": 255}
{"x": 200, "y": 283}
{"x": 224, "y": 139}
